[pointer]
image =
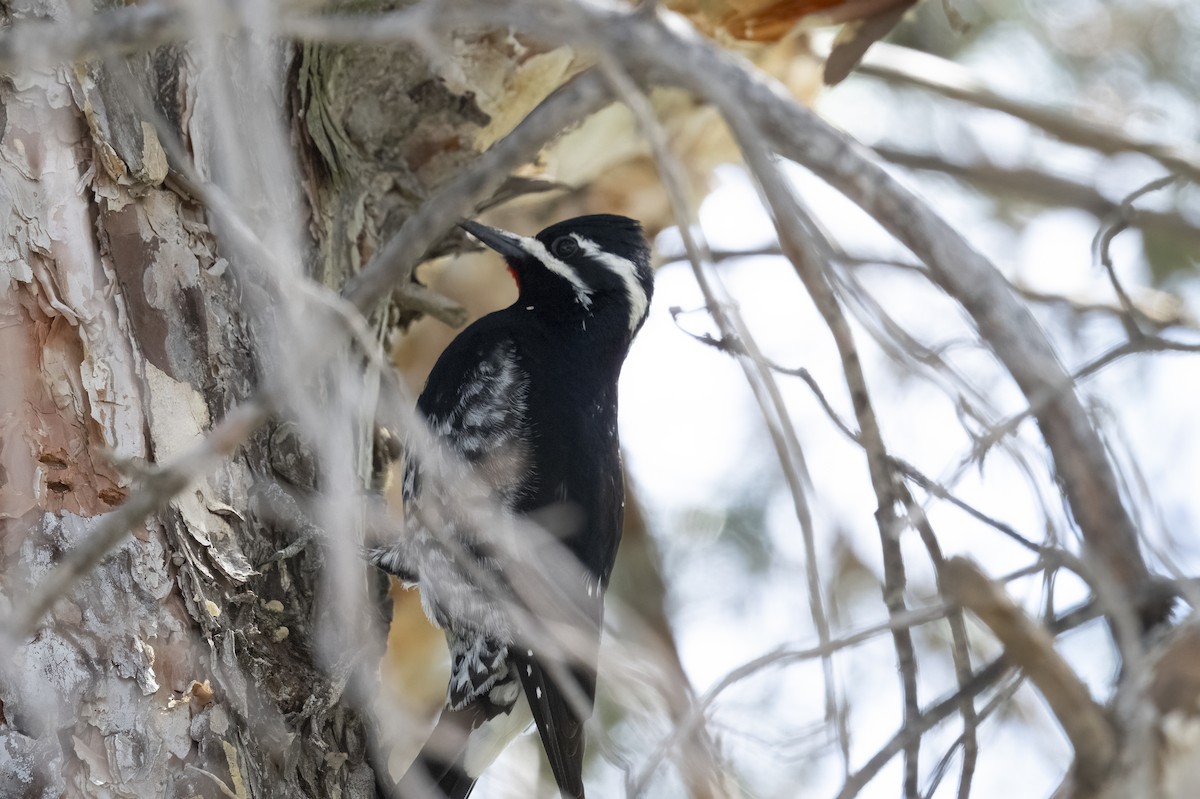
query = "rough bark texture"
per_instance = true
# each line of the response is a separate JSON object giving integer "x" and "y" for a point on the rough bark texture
{"x": 193, "y": 661}
{"x": 176, "y": 663}
{"x": 185, "y": 663}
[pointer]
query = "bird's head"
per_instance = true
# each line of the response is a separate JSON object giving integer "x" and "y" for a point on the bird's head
{"x": 590, "y": 267}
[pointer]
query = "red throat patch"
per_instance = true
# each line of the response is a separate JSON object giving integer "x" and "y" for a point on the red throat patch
{"x": 513, "y": 272}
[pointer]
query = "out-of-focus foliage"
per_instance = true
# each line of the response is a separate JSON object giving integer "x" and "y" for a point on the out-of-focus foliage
{"x": 1130, "y": 65}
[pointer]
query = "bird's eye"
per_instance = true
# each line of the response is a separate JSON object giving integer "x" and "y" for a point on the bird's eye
{"x": 564, "y": 247}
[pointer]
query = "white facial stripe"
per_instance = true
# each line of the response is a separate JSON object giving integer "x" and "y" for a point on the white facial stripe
{"x": 583, "y": 294}
{"x": 627, "y": 271}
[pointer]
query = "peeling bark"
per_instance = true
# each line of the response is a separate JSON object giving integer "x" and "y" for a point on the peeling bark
{"x": 176, "y": 667}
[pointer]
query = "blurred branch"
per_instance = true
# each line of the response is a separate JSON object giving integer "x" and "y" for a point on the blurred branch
{"x": 1030, "y": 647}
{"x": 904, "y": 66}
{"x": 395, "y": 260}
{"x": 983, "y": 679}
{"x": 758, "y": 375}
{"x": 917, "y": 727}
{"x": 37, "y": 43}
{"x": 1118, "y": 221}
{"x": 413, "y": 296}
{"x": 960, "y": 650}
{"x": 391, "y": 265}
{"x": 1010, "y": 330}
{"x": 1003, "y": 695}
{"x": 808, "y": 250}
{"x": 1029, "y": 184}
{"x": 1161, "y": 308}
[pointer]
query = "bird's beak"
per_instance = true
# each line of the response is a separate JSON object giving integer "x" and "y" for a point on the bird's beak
{"x": 503, "y": 242}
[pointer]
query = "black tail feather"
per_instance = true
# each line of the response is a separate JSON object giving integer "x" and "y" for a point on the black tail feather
{"x": 558, "y": 724}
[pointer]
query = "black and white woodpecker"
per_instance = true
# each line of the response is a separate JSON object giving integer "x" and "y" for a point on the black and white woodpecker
{"x": 526, "y": 397}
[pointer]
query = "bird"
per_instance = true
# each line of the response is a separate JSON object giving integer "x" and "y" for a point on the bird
{"x": 524, "y": 401}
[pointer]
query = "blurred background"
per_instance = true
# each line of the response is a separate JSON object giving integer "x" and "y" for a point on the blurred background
{"x": 722, "y": 572}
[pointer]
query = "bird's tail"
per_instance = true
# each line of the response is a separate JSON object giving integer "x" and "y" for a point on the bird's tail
{"x": 434, "y": 779}
{"x": 462, "y": 745}
{"x": 440, "y": 772}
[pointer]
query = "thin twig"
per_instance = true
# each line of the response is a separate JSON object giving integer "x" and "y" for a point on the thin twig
{"x": 960, "y": 651}
{"x": 1146, "y": 344}
{"x": 901, "y": 65}
{"x": 1030, "y": 647}
{"x": 777, "y": 659}
{"x": 1038, "y": 186}
{"x": 1161, "y": 308}
{"x": 905, "y": 468}
{"x": 1004, "y": 694}
{"x": 943, "y": 709}
{"x": 1117, "y": 222}
{"x": 799, "y": 238}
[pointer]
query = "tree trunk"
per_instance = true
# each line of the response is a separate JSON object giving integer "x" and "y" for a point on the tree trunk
{"x": 187, "y": 662}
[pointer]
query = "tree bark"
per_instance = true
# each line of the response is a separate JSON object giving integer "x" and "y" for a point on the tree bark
{"x": 186, "y": 661}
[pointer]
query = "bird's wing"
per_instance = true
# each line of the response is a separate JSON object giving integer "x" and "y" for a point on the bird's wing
{"x": 480, "y": 416}
{"x": 466, "y": 740}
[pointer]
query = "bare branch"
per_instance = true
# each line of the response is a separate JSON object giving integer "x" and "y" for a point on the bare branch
{"x": 34, "y": 43}
{"x": 654, "y": 53}
{"x": 1030, "y": 647}
{"x": 1118, "y": 221}
{"x": 983, "y": 679}
{"x": 901, "y": 65}
{"x": 800, "y": 239}
{"x": 1033, "y": 185}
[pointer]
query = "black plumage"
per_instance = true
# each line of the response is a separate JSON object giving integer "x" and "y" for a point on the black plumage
{"x": 526, "y": 398}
